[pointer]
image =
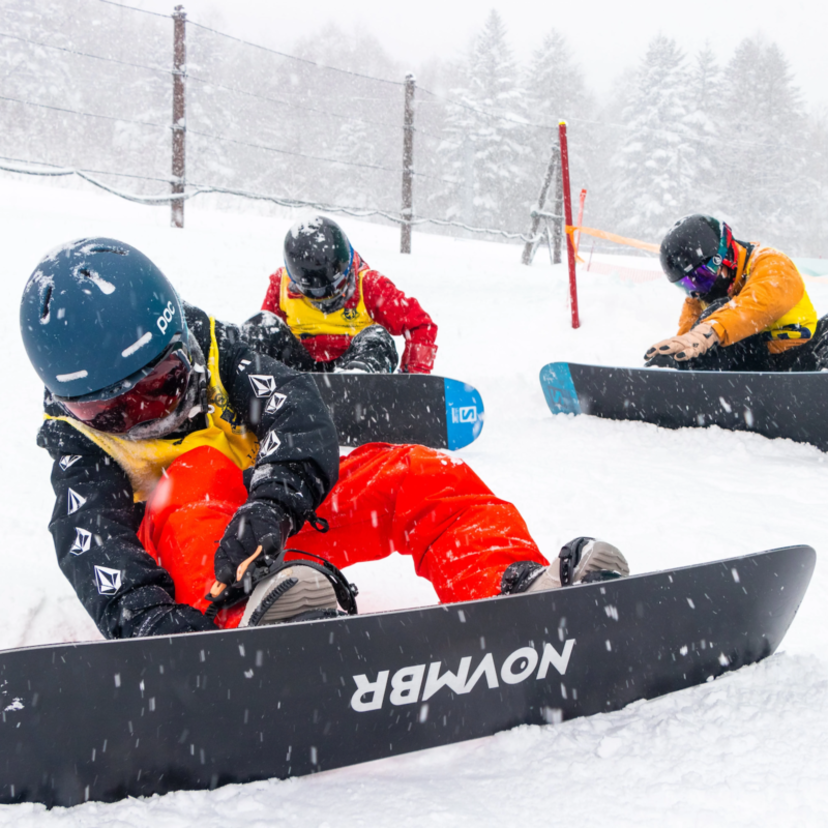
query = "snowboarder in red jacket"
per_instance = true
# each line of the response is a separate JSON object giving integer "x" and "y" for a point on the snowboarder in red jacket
{"x": 326, "y": 310}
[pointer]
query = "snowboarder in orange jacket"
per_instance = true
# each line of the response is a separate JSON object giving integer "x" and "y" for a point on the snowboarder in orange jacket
{"x": 746, "y": 308}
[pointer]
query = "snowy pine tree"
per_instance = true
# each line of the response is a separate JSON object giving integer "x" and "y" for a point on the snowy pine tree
{"x": 485, "y": 145}
{"x": 656, "y": 167}
{"x": 704, "y": 108}
{"x": 555, "y": 90}
{"x": 761, "y": 135}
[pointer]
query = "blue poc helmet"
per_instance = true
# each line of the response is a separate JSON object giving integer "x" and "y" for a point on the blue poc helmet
{"x": 106, "y": 333}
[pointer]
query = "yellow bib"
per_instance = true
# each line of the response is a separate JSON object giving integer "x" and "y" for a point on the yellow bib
{"x": 144, "y": 461}
{"x": 303, "y": 317}
{"x": 798, "y": 323}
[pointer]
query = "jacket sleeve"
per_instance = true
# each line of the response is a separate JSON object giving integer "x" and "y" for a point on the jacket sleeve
{"x": 94, "y": 525}
{"x": 298, "y": 460}
{"x": 403, "y": 316}
{"x": 271, "y": 300}
{"x": 773, "y": 287}
{"x": 690, "y": 311}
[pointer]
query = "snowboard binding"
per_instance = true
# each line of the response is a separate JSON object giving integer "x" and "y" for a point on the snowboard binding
{"x": 257, "y": 581}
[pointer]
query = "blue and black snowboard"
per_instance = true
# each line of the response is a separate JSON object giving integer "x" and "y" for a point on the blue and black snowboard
{"x": 107, "y": 720}
{"x": 402, "y": 408}
{"x": 791, "y": 405}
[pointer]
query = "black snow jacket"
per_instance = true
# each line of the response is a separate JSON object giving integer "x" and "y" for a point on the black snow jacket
{"x": 95, "y": 519}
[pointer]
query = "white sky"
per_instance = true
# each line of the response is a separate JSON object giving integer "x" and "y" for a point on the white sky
{"x": 605, "y": 35}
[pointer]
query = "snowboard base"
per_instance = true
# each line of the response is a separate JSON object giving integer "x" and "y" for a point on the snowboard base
{"x": 402, "y": 408}
{"x": 108, "y": 720}
{"x": 774, "y": 404}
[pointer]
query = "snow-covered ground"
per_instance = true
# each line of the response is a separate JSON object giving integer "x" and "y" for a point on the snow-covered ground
{"x": 747, "y": 749}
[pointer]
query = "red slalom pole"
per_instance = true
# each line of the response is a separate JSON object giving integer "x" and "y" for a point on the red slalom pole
{"x": 570, "y": 247}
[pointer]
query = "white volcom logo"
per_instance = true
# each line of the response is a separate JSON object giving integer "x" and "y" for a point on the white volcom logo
{"x": 270, "y": 444}
{"x": 263, "y": 384}
{"x": 107, "y": 580}
{"x": 164, "y": 320}
{"x": 75, "y": 501}
{"x": 242, "y": 365}
{"x": 275, "y": 403}
{"x": 407, "y": 682}
{"x": 82, "y": 542}
{"x": 68, "y": 460}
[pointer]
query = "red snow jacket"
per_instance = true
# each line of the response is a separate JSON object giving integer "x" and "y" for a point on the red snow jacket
{"x": 399, "y": 314}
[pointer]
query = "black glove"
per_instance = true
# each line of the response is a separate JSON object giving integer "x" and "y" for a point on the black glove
{"x": 244, "y": 533}
{"x": 172, "y": 619}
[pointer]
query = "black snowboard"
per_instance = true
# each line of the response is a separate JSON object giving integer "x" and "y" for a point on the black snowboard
{"x": 791, "y": 405}
{"x": 107, "y": 720}
{"x": 402, "y": 408}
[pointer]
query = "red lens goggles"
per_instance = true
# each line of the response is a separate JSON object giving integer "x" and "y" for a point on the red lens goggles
{"x": 154, "y": 396}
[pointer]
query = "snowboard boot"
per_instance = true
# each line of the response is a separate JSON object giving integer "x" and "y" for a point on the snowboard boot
{"x": 299, "y": 592}
{"x": 295, "y": 590}
{"x": 372, "y": 351}
{"x": 581, "y": 561}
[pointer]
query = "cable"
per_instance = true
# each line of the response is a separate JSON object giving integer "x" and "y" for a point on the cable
{"x": 397, "y": 218}
{"x": 293, "y": 57}
{"x": 86, "y": 54}
{"x": 85, "y": 114}
{"x": 63, "y": 170}
{"x": 311, "y": 157}
{"x": 336, "y": 115}
{"x": 133, "y": 8}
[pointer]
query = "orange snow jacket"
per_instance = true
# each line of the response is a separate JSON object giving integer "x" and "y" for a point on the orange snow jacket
{"x": 767, "y": 296}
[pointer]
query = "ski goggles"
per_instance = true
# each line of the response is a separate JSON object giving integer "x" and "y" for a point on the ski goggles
{"x": 331, "y": 289}
{"x": 156, "y": 393}
{"x": 700, "y": 280}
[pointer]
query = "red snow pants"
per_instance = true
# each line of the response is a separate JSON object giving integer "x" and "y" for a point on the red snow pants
{"x": 408, "y": 499}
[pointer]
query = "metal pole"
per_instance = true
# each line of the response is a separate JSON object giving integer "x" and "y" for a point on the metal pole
{"x": 570, "y": 248}
{"x": 529, "y": 247}
{"x": 407, "y": 166}
{"x": 179, "y": 124}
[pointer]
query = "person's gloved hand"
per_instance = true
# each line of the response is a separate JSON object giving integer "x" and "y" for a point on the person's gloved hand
{"x": 244, "y": 533}
{"x": 417, "y": 358}
{"x": 172, "y": 619}
{"x": 694, "y": 343}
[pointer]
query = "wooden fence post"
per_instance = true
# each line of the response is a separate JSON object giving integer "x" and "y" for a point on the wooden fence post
{"x": 407, "y": 166}
{"x": 529, "y": 247}
{"x": 179, "y": 124}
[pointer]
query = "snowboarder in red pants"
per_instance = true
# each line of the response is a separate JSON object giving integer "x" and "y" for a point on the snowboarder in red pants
{"x": 184, "y": 460}
{"x": 327, "y": 310}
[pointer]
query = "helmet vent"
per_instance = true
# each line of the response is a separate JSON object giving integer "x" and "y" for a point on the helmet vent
{"x": 105, "y": 287}
{"x": 101, "y": 248}
{"x": 47, "y": 301}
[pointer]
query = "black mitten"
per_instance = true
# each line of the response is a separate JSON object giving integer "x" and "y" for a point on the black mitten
{"x": 244, "y": 533}
{"x": 173, "y": 619}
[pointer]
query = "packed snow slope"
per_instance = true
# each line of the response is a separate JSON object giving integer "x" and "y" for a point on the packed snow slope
{"x": 748, "y": 749}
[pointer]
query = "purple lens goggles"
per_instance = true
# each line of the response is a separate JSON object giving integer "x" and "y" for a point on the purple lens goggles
{"x": 700, "y": 280}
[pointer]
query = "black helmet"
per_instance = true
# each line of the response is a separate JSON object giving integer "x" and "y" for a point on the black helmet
{"x": 318, "y": 258}
{"x": 693, "y": 251}
{"x": 98, "y": 320}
